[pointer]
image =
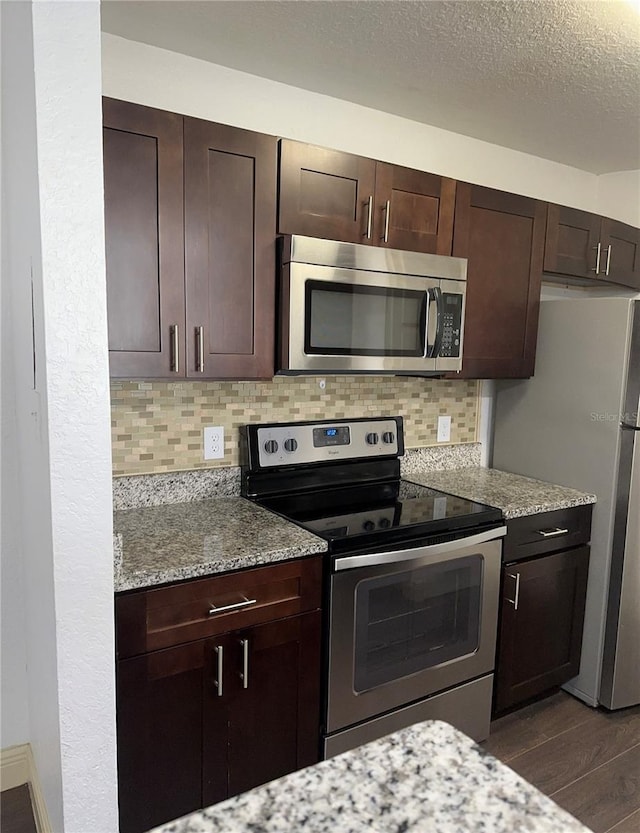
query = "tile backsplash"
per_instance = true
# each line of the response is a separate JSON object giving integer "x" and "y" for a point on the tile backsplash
{"x": 157, "y": 426}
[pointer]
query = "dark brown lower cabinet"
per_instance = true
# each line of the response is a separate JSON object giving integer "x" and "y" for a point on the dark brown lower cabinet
{"x": 542, "y": 614}
{"x": 204, "y": 721}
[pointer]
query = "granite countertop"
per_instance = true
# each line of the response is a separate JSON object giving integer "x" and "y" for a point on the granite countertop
{"x": 161, "y": 544}
{"x": 429, "y": 777}
{"x": 514, "y": 494}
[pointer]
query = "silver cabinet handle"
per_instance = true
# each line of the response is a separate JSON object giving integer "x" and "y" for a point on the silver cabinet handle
{"x": 598, "y": 249}
{"x": 369, "y": 204}
{"x": 387, "y": 214}
{"x": 175, "y": 349}
{"x": 514, "y": 601}
{"x": 199, "y": 349}
{"x": 551, "y": 533}
{"x": 219, "y": 650}
{"x": 244, "y": 603}
{"x": 244, "y": 676}
{"x": 606, "y": 268}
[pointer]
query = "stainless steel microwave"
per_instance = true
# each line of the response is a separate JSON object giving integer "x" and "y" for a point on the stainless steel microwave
{"x": 349, "y": 308}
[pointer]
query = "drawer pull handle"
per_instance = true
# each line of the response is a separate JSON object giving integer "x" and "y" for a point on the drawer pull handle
{"x": 515, "y": 600}
{"x": 244, "y": 676}
{"x": 551, "y": 533}
{"x": 236, "y": 606}
{"x": 219, "y": 649}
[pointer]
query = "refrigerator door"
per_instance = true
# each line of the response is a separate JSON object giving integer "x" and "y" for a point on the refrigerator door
{"x": 563, "y": 426}
{"x": 620, "y": 685}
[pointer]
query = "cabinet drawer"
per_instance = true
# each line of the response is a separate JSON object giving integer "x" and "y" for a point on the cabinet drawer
{"x": 153, "y": 619}
{"x": 547, "y": 532}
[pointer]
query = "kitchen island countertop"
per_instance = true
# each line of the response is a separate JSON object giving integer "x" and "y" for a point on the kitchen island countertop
{"x": 514, "y": 494}
{"x": 429, "y": 777}
{"x": 161, "y": 544}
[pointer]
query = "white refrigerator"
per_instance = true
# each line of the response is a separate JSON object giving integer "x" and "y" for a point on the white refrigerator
{"x": 576, "y": 423}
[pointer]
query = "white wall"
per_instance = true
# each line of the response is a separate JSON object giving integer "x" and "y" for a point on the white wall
{"x": 159, "y": 78}
{"x": 26, "y": 529}
{"x": 53, "y": 222}
{"x": 14, "y": 719}
{"x": 618, "y": 196}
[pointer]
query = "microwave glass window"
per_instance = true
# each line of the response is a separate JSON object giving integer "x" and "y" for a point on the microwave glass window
{"x": 344, "y": 319}
{"x": 410, "y": 621}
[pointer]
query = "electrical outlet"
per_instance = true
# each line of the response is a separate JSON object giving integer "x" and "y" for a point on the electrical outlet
{"x": 213, "y": 442}
{"x": 444, "y": 429}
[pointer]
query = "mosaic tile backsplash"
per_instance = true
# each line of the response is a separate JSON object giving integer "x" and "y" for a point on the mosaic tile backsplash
{"x": 157, "y": 426}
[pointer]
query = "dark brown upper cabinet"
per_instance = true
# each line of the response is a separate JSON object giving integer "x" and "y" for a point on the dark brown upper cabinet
{"x": 572, "y": 242}
{"x": 190, "y": 244}
{"x": 414, "y": 210}
{"x": 620, "y": 246}
{"x": 143, "y": 189}
{"x": 339, "y": 196}
{"x": 230, "y": 227}
{"x": 584, "y": 245}
{"x": 325, "y": 193}
{"x": 502, "y": 236}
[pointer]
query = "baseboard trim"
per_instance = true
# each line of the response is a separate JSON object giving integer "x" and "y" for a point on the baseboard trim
{"x": 14, "y": 766}
{"x": 17, "y": 767}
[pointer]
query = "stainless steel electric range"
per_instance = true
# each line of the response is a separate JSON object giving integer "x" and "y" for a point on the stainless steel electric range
{"x": 412, "y": 576}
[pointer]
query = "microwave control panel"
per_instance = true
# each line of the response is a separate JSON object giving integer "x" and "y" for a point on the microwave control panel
{"x": 451, "y": 325}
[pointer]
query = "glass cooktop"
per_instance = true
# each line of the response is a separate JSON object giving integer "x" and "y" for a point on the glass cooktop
{"x": 377, "y": 513}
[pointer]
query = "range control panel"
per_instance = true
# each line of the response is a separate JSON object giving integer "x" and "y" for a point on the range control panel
{"x": 320, "y": 442}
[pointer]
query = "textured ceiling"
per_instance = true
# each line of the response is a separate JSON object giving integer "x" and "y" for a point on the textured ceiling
{"x": 556, "y": 78}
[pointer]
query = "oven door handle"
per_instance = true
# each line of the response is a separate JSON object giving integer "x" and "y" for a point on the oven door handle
{"x": 349, "y": 562}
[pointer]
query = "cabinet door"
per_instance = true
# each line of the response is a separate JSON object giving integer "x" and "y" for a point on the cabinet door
{"x": 159, "y": 717}
{"x": 230, "y": 211}
{"x": 541, "y": 622}
{"x": 413, "y": 210}
{"x": 325, "y": 193}
{"x": 144, "y": 240}
{"x": 621, "y": 262}
{"x": 502, "y": 235}
{"x": 571, "y": 242}
{"x": 274, "y": 722}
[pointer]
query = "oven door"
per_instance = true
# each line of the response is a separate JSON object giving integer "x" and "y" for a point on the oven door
{"x": 352, "y": 320}
{"x": 406, "y": 624}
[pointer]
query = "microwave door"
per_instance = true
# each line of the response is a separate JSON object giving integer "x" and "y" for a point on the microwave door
{"x": 358, "y": 321}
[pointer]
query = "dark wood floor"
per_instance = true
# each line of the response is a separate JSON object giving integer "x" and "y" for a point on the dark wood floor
{"x": 587, "y": 760}
{"x": 16, "y": 815}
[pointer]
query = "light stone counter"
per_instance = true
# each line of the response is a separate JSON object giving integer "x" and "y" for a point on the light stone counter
{"x": 429, "y": 778}
{"x": 162, "y": 544}
{"x": 515, "y": 495}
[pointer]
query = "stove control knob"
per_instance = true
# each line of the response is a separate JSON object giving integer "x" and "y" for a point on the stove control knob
{"x": 385, "y": 523}
{"x": 290, "y": 444}
{"x": 388, "y": 437}
{"x": 271, "y": 446}
{"x": 368, "y": 526}
{"x": 372, "y": 439}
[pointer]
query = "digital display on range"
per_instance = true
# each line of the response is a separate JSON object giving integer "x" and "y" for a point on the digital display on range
{"x": 338, "y": 435}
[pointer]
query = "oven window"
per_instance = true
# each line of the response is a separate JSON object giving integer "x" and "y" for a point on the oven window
{"x": 414, "y": 620}
{"x": 346, "y": 319}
